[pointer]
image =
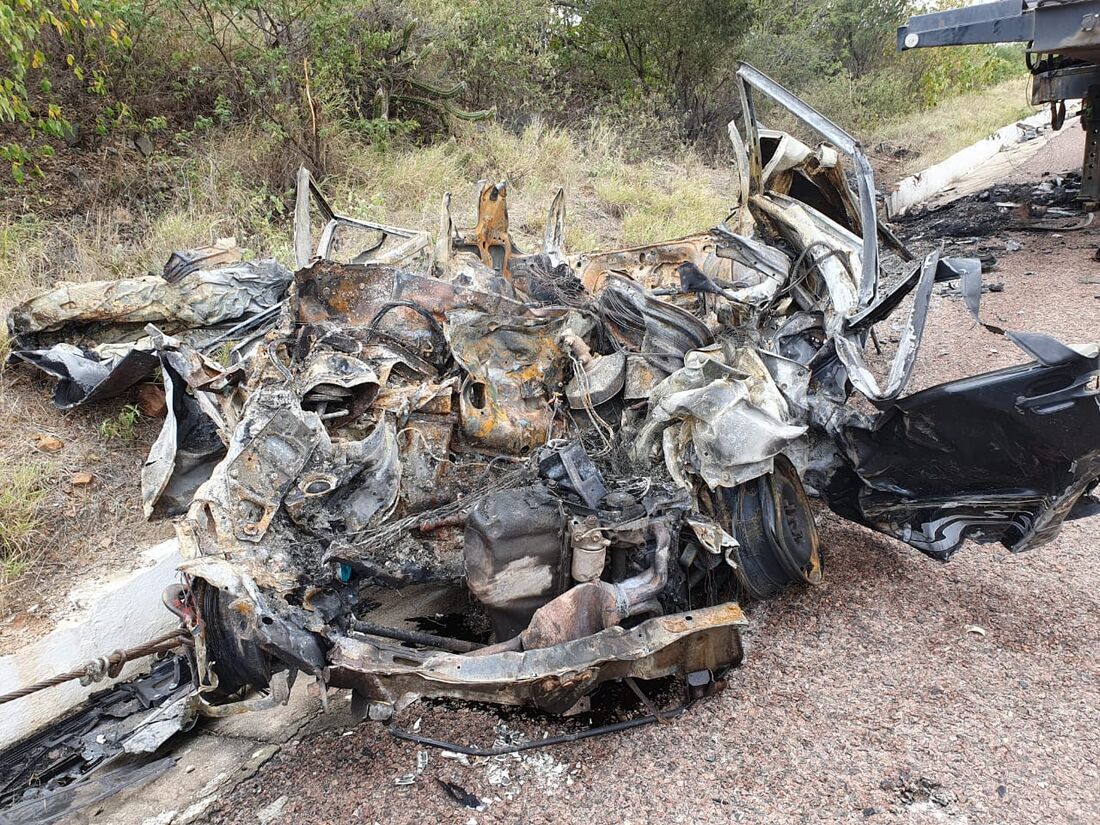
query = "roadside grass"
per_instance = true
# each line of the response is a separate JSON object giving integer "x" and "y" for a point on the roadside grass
{"x": 957, "y": 122}
{"x": 122, "y": 426}
{"x": 221, "y": 190}
{"x": 609, "y": 200}
{"x": 23, "y": 488}
{"x": 23, "y": 253}
{"x": 221, "y": 187}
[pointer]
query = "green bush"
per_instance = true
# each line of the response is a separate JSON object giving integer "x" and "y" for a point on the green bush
{"x": 316, "y": 76}
{"x": 48, "y": 48}
{"x": 841, "y": 56}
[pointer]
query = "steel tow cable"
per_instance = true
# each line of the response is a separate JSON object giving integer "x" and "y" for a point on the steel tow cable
{"x": 103, "y": 667}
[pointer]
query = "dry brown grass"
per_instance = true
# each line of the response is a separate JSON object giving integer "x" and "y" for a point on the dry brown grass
{"x": 54, "y": 532}
{"x": 937, "y": 133}
{"x": 119, "y": 231}
{"x": 609, "y": 200}
{"x": 23, "y": 487}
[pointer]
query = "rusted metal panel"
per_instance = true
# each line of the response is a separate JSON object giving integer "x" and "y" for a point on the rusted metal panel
{"x": 552, "y": 679}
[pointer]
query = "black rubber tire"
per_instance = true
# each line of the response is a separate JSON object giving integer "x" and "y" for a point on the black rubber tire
{"x": 792, "y": 528}
{"x": 237, "y": 662}
{"x": 774, "y": 526}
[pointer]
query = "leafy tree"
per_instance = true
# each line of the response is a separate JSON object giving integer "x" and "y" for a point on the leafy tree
{"x": 312, "y": 72}
{"x": 504, "y": 54}
{"x": 311, "y": 67}
{"x": 862, "y": 32}
{"x": 43, "y": 42}
{"x": 675, "y": 55}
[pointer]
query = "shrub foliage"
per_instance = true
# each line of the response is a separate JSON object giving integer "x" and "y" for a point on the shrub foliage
{"x": 313, "y": 72}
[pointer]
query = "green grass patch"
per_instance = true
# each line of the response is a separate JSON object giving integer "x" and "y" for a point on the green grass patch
{"x": 23, "y": 488}
{"x": 122, "y": 427}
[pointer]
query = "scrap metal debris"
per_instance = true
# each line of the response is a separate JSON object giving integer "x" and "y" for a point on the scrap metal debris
{"x": 89, "y": 335}
{"x": 83, "y": 758}
{"x": 587, "y": 459}
{"x": 1052, "y": 205}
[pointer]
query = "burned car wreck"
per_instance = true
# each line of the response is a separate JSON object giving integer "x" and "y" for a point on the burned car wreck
{"x": 587, "y": 458}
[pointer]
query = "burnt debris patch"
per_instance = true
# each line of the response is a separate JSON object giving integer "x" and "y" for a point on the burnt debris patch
{"x": 448, "y": 467}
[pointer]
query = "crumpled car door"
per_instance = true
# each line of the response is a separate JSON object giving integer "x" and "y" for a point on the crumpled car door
{"x": 1003, "y": 456}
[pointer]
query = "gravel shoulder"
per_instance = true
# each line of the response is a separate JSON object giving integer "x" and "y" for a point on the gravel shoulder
{"x": 872, "y": 697}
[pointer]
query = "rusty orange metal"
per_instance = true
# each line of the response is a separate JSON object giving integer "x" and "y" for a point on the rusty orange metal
{"x": 654, "y": 265}
{"x": 492, "y": 226}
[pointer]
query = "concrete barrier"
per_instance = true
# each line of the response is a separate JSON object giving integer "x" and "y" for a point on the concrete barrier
{"x": 924, "y": 185}
{"x": 118, "y": 613}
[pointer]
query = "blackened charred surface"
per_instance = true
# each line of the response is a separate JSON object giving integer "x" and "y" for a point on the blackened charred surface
{"x": 983, "y": 457}
{"x": 983, "y": 430}
{"x": 186, "y": 451}
{"x": 96, "y": 734}
{"x": 516, "y": 556}
{"x": 240, "y": 661}
{"x": 84, "y": 377}
{"x": 409, "y": 561}
{"x": 468, "y": 626}
{"x": 773, "y": 524}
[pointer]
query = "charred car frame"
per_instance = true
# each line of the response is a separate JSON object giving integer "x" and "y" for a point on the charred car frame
{"x": 588, "y": 459}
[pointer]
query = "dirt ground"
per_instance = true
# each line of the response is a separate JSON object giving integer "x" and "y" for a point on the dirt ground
{"x": 901, "y": 690}
{"x": 872, "y": 697}
{"x": 107, "y": 508}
